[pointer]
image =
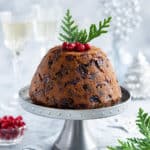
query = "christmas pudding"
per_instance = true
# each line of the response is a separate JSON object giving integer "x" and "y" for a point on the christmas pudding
{"x": 75, "y": 75}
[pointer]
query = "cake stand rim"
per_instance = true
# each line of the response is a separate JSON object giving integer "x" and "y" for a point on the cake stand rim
{"x": 73, "y": 114}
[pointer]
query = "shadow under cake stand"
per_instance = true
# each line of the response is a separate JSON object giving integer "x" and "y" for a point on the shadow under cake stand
{"x": 75, "y": 134}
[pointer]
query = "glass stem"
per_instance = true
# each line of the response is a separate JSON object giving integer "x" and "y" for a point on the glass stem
{"x": 16, "y": 73}
{"x": 116, "y": 58}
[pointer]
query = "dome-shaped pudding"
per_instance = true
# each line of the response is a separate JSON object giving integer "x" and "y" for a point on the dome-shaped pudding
{"x": 75, "y": 80}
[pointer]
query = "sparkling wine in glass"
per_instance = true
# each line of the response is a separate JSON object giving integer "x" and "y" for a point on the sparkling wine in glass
{"x": 45, "y": 25}
{"x": 15, "y": 34}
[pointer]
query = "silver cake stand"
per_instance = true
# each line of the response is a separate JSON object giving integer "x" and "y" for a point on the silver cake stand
{"x": 75, "y": 134}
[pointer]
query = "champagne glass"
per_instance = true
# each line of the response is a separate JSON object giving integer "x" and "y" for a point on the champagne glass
{"x": 45, "y": 24}
{"x": 16, "y": 29}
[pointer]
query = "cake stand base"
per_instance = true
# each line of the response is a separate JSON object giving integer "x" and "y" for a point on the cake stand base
{"x": 75, "y": 136}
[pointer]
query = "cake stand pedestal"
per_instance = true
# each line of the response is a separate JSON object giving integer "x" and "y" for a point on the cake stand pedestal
{"x": 75, "y": 134}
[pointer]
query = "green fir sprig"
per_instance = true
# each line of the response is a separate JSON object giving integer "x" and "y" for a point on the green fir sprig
{"x": 143, "y": 123}
{"x": 72, "y": 33}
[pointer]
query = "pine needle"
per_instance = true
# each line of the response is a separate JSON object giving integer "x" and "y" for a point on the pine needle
{"x": 143, "y": 123}
{"x": 72, "y": 33}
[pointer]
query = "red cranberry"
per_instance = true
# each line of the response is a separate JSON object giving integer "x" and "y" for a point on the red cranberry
{"x": 10, "y": 118}
{"x": 64, "y": 45}
{"x": 77, "y": 43}
{"x": 21, "y": 124}
{"x": 17, "y": 122}
{"x": 87, "y": 46}
{"x": 4, "y": 125}
{"x": 71, "y": 46}
{"x": 4, "y": 118}
{"x": 19, "y": 118}
{"x": 80, "y": 47}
